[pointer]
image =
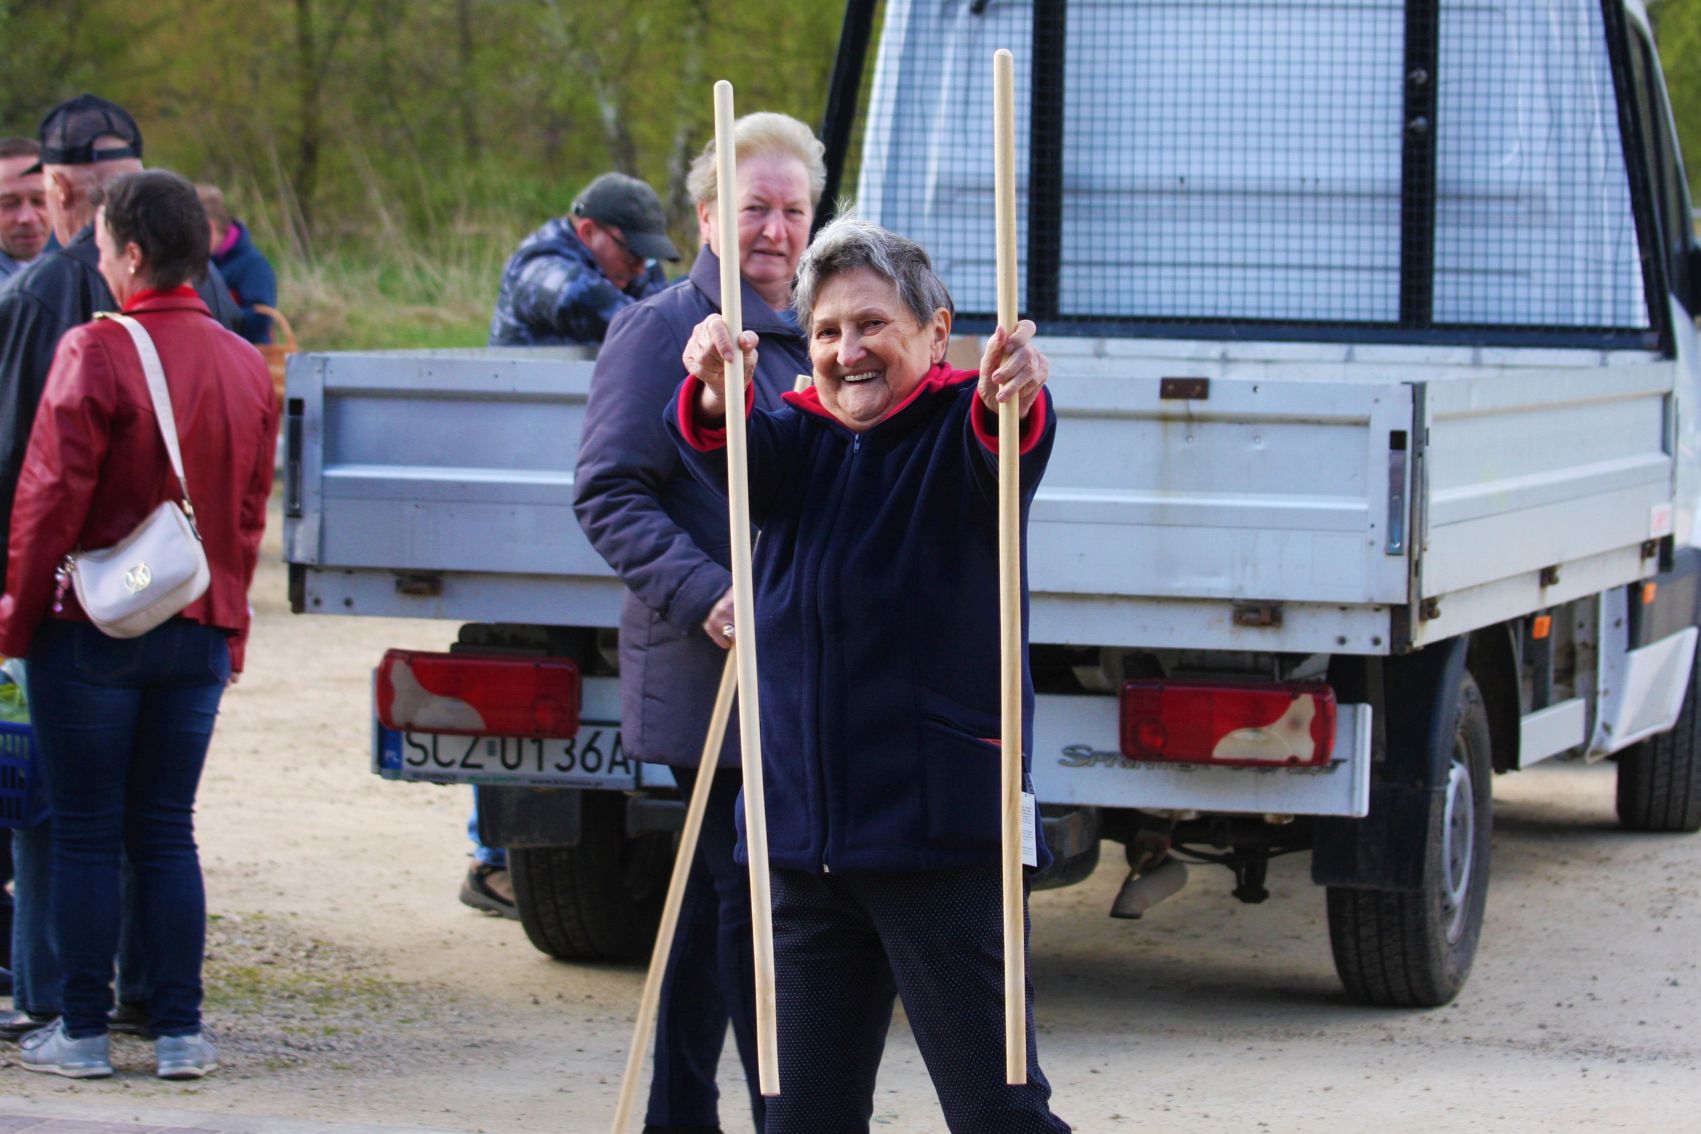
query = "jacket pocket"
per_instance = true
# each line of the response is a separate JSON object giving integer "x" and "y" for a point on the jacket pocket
{"x": 962, "y": 774}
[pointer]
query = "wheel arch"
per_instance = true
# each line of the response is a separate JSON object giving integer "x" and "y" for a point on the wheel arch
{"x": 1403, "y": 946}
{"x": 1412, "y": 696}
{"x": 1493, "y": 659}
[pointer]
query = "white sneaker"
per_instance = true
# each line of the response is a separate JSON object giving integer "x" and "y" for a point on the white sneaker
{"x": 185, "y": 1057}
{"x": 50, "y": 1049}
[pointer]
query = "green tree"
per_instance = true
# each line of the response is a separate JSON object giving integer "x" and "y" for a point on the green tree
{"x": 1677, "y": 25}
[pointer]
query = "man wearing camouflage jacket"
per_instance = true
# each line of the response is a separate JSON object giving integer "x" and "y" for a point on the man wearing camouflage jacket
{"x": 570, "y": 277}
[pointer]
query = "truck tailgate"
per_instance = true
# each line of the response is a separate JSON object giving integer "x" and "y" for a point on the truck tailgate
{"x": 431, "y": 485}
{"x": 1257, "y": 492}
{"x": 1213, "y": 500}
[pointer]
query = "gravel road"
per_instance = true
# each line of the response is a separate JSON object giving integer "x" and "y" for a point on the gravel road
{"x": 347, "y": 984}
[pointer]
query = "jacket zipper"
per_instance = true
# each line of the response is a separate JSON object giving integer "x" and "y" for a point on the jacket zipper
{"x": 821, "y": 627}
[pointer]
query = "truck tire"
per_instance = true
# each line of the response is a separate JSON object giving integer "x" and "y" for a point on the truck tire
{"x": 600, "y": 900}
{"x": 1415, "y": 949}
{"x": 1659, "y": 780}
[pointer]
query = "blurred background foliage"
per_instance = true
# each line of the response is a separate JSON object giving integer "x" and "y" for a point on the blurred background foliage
{"x": 388, "y": 154}
{"x": 1677, "y": 30}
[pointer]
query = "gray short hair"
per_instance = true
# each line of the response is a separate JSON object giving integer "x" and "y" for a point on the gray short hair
{"x": 764, "y": 132}
{"x": 849, "y": 243}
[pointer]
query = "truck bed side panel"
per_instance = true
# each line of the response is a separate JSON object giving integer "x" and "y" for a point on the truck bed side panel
{"x": 457, "y": 471}
{"x": 1258, "y": 491}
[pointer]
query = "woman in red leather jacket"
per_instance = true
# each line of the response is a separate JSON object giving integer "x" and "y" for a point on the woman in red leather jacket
{"x": 122, "y": 725}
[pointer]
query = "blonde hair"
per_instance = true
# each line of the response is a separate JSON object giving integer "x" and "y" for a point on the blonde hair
{"x": 764, "y": 132}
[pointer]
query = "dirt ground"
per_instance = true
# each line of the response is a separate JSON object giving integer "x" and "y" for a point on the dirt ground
{"x": 347, "y": 984}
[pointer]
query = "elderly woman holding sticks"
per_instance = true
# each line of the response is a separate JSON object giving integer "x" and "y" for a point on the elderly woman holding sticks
{"x": 876, "y": 596}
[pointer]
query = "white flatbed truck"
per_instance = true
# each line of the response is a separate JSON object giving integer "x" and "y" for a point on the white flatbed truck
{"x": 1376, "y": 474}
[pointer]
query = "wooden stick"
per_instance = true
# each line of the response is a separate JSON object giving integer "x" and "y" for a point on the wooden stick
{"x": 1010, "y": 581}
{"x": 744, "y": 599}
{"x": 649, "y": 1003}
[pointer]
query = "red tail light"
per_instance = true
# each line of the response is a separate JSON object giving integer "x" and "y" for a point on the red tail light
{"x": 1254, "y": 726}
{"x": 475, "y": 695}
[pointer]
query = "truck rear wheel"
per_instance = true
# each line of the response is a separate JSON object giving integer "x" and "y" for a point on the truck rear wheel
{"x": 1415, "y": 949}
{"x": 600, "y": 900}
{"x": 1659, "y": 780}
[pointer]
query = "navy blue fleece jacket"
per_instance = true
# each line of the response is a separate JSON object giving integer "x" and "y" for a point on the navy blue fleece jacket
{"x": 877, "y": 623}
{"x": 251, "y": 280}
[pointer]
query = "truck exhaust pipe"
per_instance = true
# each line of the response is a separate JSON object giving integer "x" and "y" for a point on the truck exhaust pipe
{"x": 1143, "y": 891}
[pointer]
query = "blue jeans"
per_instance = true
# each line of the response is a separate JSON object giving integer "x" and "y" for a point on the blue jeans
{"x": 483, "y": 855}
{"x": 35, "y": 961}
{"x": 711, "y": 972}
{"x": 6, "y": 905}
{"x": 122, "y": 728}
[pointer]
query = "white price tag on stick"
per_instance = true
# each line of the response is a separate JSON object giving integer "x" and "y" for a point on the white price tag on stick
{"x": 1030, "y": 845}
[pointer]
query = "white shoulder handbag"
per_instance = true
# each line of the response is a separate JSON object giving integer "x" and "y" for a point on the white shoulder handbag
{"x": 160, "y": 567}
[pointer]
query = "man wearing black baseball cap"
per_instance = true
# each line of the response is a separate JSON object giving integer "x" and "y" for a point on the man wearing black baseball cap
{"x": 83, "y": 142}
{"x": 87, "y": 131}
{"x": 570, "y": 277}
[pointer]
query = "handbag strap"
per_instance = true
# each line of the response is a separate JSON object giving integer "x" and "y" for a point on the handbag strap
{"x": 161, "y": 395}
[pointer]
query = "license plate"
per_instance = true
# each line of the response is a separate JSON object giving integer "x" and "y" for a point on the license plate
{"x": 594, "y": 758}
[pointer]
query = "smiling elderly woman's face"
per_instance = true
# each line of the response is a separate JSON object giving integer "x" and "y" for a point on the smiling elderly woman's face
{"x": 868, "y": 349}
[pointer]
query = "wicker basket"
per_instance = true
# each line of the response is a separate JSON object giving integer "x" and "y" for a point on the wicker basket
{"x": 277, "y": 351}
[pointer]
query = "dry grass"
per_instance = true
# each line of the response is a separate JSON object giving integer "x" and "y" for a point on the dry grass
{"x": 395, "y": 292}
{"x": 381, "y": 282}
{"x": 359, "y": 299}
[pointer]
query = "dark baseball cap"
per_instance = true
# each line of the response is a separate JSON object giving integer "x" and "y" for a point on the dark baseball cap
{"x": 631, "y": 206}
{"x": 69, "y": 130}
